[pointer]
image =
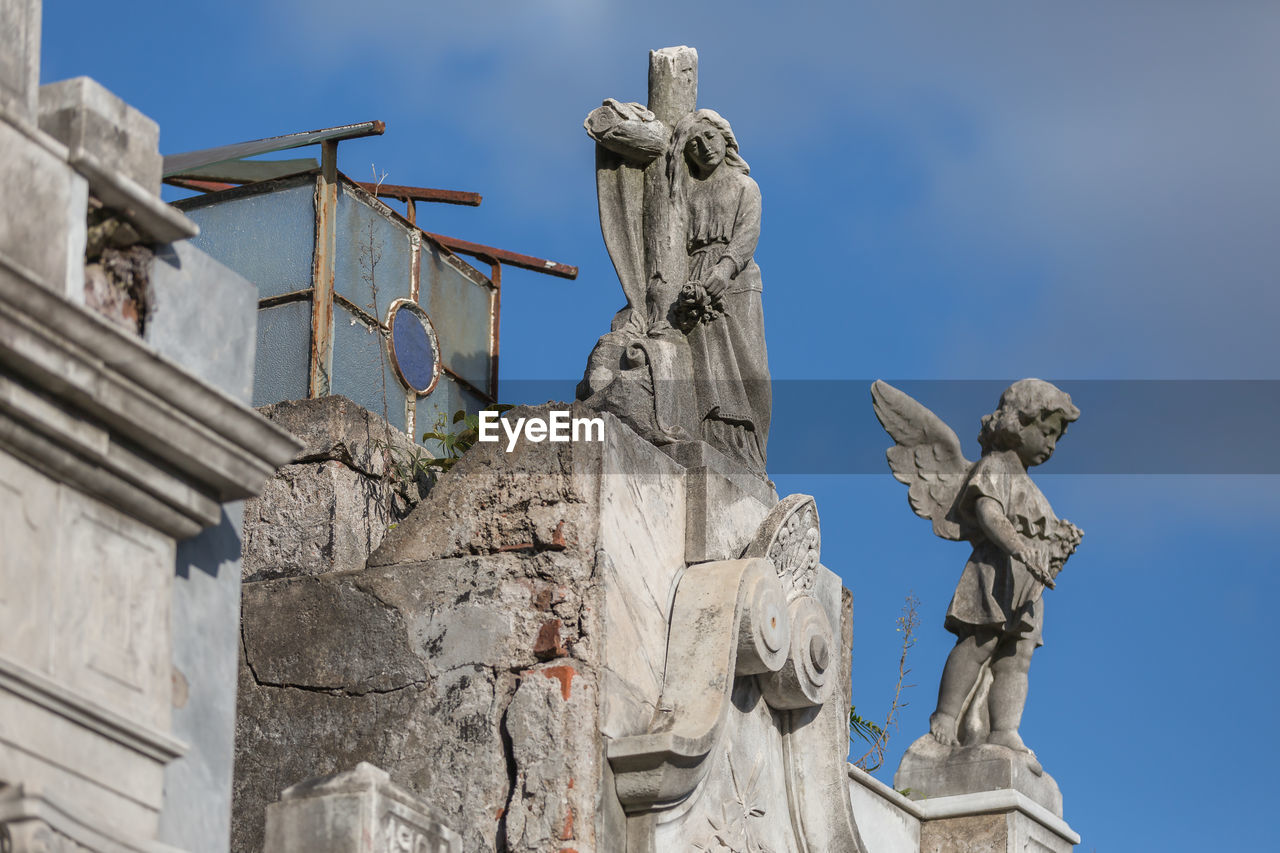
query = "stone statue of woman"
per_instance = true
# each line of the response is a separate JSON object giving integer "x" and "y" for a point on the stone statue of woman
{"x": 719, "y": 307}
{"x": 686, "y": 357}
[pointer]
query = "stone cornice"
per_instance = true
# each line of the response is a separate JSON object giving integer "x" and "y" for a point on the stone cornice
{"x": 104, "y": 413}
{"x": 34, "y": 819}
{"x": 50, "y": 695}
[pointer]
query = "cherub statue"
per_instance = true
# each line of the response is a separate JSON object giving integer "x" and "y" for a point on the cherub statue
{"x": 1019, "y": 547}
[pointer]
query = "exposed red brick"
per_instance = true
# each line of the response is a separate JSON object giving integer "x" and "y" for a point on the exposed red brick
{"x": 564, "y": 674}
{"x": 557, "y": 536}
{"x": 567, "y": 832}
{"x": 548, "y": 644}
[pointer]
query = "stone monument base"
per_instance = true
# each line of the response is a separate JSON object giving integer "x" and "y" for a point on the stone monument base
{"x": 985, "y": 822}
{"x": 930, "y": 770}
{"x": 992, "y": 822}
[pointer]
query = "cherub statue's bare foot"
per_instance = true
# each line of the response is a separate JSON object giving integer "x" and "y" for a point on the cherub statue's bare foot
{"x": 943, "y": 728}
{"x": 1013, "y": 741}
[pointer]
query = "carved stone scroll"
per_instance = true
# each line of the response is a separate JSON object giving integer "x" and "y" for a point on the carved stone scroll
{"x": 725, "y": 612}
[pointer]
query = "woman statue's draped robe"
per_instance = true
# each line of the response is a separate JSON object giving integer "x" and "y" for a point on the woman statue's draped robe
{"x": 730, "y": 363}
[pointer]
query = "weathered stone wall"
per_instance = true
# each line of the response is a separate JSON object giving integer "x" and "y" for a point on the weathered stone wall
{"x": 466, "y": 660}
{"x": 332, "y": 506}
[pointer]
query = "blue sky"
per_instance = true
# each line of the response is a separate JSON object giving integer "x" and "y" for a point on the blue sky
{"x": 982, "y": 191}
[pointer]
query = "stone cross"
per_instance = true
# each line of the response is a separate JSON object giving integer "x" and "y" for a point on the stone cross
{"x": 673, "y": 94}
{"x": 685, "y": 359}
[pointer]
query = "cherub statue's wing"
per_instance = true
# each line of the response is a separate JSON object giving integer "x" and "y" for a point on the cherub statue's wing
{"x": 927, "y": 456}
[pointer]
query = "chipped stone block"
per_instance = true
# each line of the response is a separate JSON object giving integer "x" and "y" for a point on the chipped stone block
{"x": 83, "y": 115}
{"x": 20, "y": 57}
{"x": 338, "y": 429}
{"x": 311, "y": 519}
{"x": 359, "y": 811}
{"x": 42, "y": 220}
{"x": 308, "y": 634}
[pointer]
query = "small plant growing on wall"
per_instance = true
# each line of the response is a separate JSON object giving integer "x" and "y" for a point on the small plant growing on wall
{"x": 455, "y": 442}
{"x": 876, "y": 735}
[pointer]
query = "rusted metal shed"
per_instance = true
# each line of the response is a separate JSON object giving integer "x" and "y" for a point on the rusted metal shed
{"x": 354, "y": 298}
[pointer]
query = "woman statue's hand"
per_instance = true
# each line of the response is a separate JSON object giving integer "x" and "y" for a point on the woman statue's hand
{"x": 718, "y": 281}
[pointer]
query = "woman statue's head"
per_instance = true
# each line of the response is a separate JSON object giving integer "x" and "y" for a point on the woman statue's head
{"x": 703, "y": 140}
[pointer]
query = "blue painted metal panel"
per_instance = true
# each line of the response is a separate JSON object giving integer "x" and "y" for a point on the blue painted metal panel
{"x": 361, "y": 369}
{"x": 373, "y": 254}
{"x": 460, "y": 311}
{"x": 284, "y": 353}
{"x": 269, "y": 238}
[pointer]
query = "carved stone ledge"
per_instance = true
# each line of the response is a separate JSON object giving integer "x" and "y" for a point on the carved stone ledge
{"x": 33, "y": 821}
{"x": 52, "y": 696}
{"x": 104, "y": 413}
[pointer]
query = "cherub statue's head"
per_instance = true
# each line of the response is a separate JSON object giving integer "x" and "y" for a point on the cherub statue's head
{"x": 702, "y": 140}
{"x": 1032, "y": 416}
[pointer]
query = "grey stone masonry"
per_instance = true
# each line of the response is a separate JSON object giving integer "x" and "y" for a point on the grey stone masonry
{"x": 331, "y": 507}
{"x": 19, "y": 57}
{"x": 110, "y": 453}
{"x": 540, "y": 652}
{"x": 83, "y": 115}
{"x": 42, "y": 222}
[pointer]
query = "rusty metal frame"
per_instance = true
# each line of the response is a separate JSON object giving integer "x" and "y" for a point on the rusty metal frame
{"x": 322, "y": 270}
{"x": 412, "y": 194}
{"x": 495, "y": 313}
{"x": 515, "y": 259}
{"x": 437, "y": 365}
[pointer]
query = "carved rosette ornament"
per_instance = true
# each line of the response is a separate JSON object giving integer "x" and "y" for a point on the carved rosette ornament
{"x": 791, "y": 539}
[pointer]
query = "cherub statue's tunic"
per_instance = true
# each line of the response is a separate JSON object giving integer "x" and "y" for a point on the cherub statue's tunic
{"x": 995, "y": 590}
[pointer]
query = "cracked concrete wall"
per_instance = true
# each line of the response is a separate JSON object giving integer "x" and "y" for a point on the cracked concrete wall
{"x": 467, "y": 656}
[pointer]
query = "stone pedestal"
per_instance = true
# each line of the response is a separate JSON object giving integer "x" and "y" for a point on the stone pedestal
{"x": 929, "y": 770}
{"x": 1003, "y": 821}
{"x": 725, "y": 502}
{"x": 359, "y": 811}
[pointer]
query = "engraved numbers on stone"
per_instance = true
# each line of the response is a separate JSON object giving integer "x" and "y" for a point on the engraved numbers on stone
{"x": 401, "y": 836}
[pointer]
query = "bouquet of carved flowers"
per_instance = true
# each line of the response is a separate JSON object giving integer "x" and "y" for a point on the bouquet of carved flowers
{"x": 1063, "y": 541}
{"x": 694, "y": 305}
